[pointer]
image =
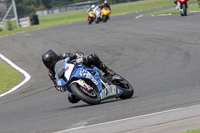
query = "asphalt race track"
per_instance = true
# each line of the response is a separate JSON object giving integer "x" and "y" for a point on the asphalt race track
{"x": 160, "y": 56}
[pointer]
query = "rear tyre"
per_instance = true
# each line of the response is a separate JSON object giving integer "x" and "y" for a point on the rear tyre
{"x": 184, "y": 9}
{"x": 90, "y": 97}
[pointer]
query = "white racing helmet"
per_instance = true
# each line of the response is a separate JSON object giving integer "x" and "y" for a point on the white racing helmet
{"x": 105, "y": 2}
{"x": 92, "y": 6}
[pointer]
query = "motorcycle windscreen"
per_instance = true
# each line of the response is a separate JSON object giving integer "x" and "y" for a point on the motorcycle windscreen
{"x": 59, "y": 71}
{"x": 59, "y": 68}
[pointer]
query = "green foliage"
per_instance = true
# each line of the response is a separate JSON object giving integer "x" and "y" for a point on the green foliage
{"x": 9, "y": 25}
{"x": 1, "y": 29}
{"x": 24, "y": 9}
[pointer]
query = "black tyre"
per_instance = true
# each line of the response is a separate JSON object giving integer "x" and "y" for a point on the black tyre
{"x": 126, "y": 87}
{"x": 90, "y": 97}
{"x": 184, "y": 7}
{"x": 105, "y": 18}
{"x": 89, "y": 20}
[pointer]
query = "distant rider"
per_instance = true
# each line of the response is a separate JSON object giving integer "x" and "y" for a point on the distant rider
{"x": 91, "y": 9}
{"x": 50, "y": 58}
{"x": 105, "y": 4}
{"x": 95, "y": 10}
{"x": 176, "y": 2}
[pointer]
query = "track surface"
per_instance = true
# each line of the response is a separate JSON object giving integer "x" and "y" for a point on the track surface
{"x": 158, "y": 55}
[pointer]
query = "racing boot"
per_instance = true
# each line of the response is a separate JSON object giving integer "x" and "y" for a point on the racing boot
{"x": 72, "y": 98}
{"x": 106, "y": 70}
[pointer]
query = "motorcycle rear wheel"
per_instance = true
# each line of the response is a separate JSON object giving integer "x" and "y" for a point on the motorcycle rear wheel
{"x": 184, "y": 7}
{"x": 91, "y": 97}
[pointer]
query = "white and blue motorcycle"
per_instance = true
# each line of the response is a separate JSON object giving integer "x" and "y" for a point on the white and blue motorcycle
{"x": 89, "y": 84}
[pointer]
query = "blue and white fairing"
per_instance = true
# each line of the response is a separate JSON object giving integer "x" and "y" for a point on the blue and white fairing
{"x": 80, "y": 71}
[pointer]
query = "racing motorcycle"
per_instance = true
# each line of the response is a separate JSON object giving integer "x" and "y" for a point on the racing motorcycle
{"x": 91, "y": 17}
{"x": 98, "y": 16}
{"x": 89, "y": 84}
{"x": 182, "y": 6}
{"x": 105, "y": 12}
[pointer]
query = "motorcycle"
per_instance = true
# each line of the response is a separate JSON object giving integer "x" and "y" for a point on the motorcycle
{"x": 182, "y": 6}
{"x": 91, "y": 17}
{"x": 89, "y": 84}
{"x": 105, "y": 12}
{"x": 98, "y": 16}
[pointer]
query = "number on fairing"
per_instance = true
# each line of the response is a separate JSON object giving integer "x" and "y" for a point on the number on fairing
{"x": 68, "y": 70}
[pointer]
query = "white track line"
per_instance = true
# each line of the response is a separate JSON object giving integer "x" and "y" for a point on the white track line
{"x": 162, "y": 15}
{"x": 139, "y": 16}
{"x": 125, "y": 119}
{"x": 27, "y": 76}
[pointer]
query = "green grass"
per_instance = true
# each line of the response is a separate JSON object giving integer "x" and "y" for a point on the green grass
{"x": 81, "y": 15}
{"x": 193, "y": 131}
{"x": 174, "y": 11}
{"x": 8, "y": 77}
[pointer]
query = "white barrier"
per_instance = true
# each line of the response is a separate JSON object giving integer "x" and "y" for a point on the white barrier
{"x": 24, "y": 22}
{"x": 1, "y": 25}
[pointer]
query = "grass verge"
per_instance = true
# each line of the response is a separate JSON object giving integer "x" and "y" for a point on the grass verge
{"x": 81, "y": 15}
{"x": 8, "y": 77}
{"x": 174, "y": 11}
{"x": 193, "y": 131}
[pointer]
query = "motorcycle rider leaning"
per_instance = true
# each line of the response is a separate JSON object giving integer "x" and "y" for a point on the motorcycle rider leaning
{"x": 91, "y": 8}
{"x": 95, "y": 10}
{"x": 50, "y": 58}
{"x": 105, "y": 4}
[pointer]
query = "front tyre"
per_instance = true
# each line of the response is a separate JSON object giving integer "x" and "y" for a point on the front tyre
{"x": 91, "y": 97}
{"x": 90, "y": 20}
{"x": 105, "y": 18}
{"x": 126, "y": 87}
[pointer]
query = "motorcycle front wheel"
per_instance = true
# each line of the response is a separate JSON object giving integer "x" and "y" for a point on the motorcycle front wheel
{"x": 105, "y": 18}
{"x": 91, "y": 97}
{"x": 90, "y": 20}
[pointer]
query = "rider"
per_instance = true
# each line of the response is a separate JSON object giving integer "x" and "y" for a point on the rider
{"x": 105, "y": 4}
{"x": 91, "y": 8}
{"x": 175, "y": 2}
{"x": 95, "y": 10}
{"x": 50, "y": 58}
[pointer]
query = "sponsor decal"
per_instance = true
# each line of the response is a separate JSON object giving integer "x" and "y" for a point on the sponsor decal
{"x": 86, "y": 74}
{"x": 59, "y": 82}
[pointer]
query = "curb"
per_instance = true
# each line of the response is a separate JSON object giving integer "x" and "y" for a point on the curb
{"x": 27, "y": 76}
